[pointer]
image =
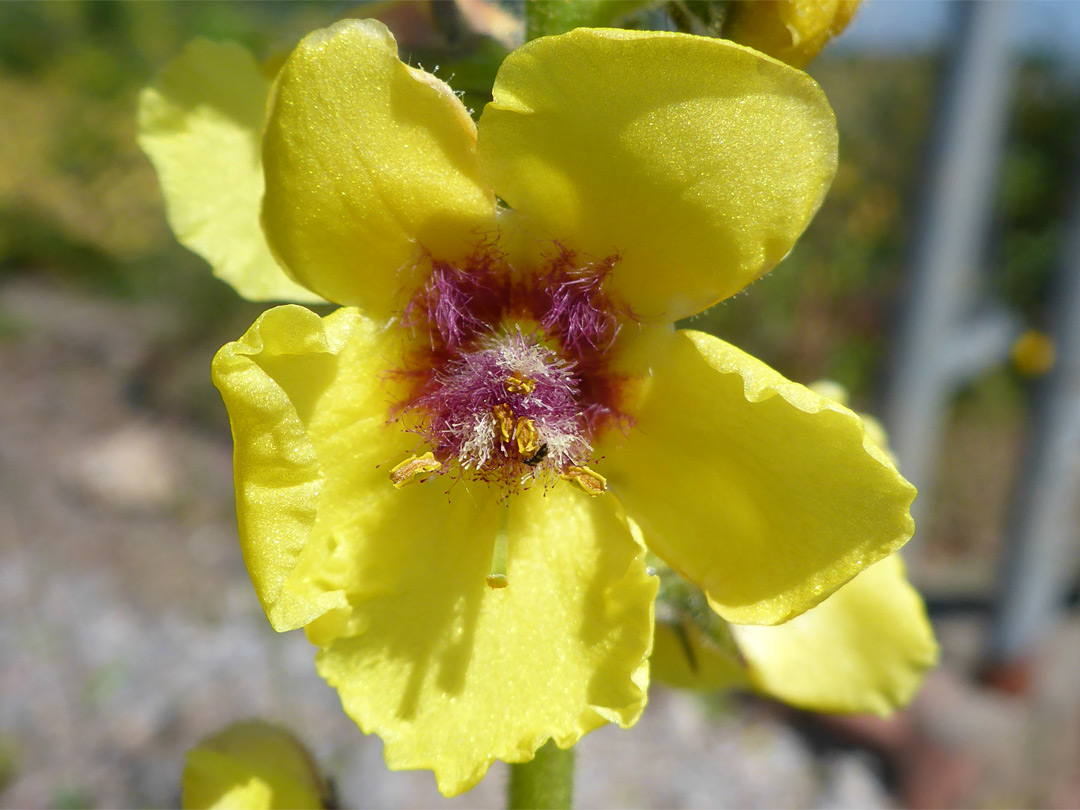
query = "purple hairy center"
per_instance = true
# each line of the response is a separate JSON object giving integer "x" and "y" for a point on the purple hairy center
{"x": 513, "y": 378}
{"x": 460, "y": 408}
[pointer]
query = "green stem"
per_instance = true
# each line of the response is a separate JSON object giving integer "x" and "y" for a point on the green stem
{"x": 547, "y": 17}
{"x": 544, "y": 18}
{"x": 546, "y": 783}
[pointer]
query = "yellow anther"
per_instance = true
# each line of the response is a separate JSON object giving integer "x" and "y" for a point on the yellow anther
{"x": 588, "y": 481}
{"x": 504, "y": 421}
{"x": 413, "y": 466}
{"x": 527, "y": 436}
{"x": 496, "y": 581}
{"x": 517, "y": 383}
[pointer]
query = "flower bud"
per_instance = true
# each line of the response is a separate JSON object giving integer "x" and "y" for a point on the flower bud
{"x": 793, "y": 31}
{"x": 254, "y": 766}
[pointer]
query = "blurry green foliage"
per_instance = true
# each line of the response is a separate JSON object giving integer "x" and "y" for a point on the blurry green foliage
{"x": 1039, "y": 173}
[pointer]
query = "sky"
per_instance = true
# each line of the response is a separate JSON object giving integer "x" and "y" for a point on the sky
{"x": 918, "y": 25}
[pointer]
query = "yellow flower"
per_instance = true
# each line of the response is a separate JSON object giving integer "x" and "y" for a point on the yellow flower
{"x": 1033, "y": 353}
{"x": 793, "y": 31}
{"x": 252, "y": 765}
{"x": 445, "y": 481}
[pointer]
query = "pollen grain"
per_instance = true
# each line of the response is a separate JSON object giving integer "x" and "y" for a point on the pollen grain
{"x": 588, "y": 481}
{"x": 518, "y": 383}
{"x": 504, "y": 421}
{"x": 527, "y": 437}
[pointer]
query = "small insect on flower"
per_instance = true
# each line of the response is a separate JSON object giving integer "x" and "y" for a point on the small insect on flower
{"x": 536, "y": 457}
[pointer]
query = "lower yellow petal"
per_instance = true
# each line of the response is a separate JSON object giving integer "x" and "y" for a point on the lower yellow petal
{"x": 392, "y": 582}
{"x": 763, "y": 493}
{"x": 200, "y": 123}
{"x": 453, "y": 674}
{"x": 864, "y": 649}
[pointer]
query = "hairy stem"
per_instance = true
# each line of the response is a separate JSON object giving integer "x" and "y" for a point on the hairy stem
{"x": 546, "y": 783}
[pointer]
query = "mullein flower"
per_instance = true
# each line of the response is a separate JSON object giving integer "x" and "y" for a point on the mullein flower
{"x": 449, "y": 482}
{"x": 1033, "y": 353}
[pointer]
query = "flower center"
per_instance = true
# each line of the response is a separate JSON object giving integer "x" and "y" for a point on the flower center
{"x": 512, "y": 401}
{"x": 512, "y": 377}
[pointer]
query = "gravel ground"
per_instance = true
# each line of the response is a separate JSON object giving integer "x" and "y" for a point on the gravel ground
{"x": 129, "y": 629}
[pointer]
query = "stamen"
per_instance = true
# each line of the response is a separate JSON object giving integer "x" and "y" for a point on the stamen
{"x": 588, "y": 481}
{"x": 528, "y": 438}
{"x": 504, "y": 420}
{"x": 518, "y": 383}
{"x": 412, "y": 467}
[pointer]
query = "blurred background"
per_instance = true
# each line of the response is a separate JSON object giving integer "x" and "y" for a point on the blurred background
{"x": 938, "y": 285}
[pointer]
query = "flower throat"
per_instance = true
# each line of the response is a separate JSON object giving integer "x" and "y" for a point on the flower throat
{"x": 512, "y": 378}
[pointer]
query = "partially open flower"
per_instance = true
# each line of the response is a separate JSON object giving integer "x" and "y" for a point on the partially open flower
{"x": 445, "y": 482}
{"x": 793, "y": 31}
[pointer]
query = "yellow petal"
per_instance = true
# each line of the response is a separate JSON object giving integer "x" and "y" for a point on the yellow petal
{"x": 696, "y": 160}
{"x": 251, "y": 766}
{"x": 766, "y": 495}
{"x": 290, "y": 375}
{"x": 864, "y": 649}
{"x": 200, "y": 123}
{"x": 367, "y": 162}
{"x": 452, "y": 673}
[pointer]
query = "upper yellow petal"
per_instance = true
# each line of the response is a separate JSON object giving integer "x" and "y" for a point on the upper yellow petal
{"x": 200, "y": 123}
{"x": 368, "y": 162}
{"x": 696, "y": 160}
{"x": 453, "y": 674}
{"x": 763, "y": 493}
{"x": 864, "y": 649}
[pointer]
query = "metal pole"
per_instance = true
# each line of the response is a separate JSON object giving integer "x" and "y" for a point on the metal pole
{"x": 940, "y": 340}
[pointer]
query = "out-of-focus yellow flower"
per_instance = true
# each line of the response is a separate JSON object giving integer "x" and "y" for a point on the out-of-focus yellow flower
{"x": 447, "y": 481}
{"x": 793, "y": 31}
{"x": 252, "y": 766}
{"x": 1033, "y": 353}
